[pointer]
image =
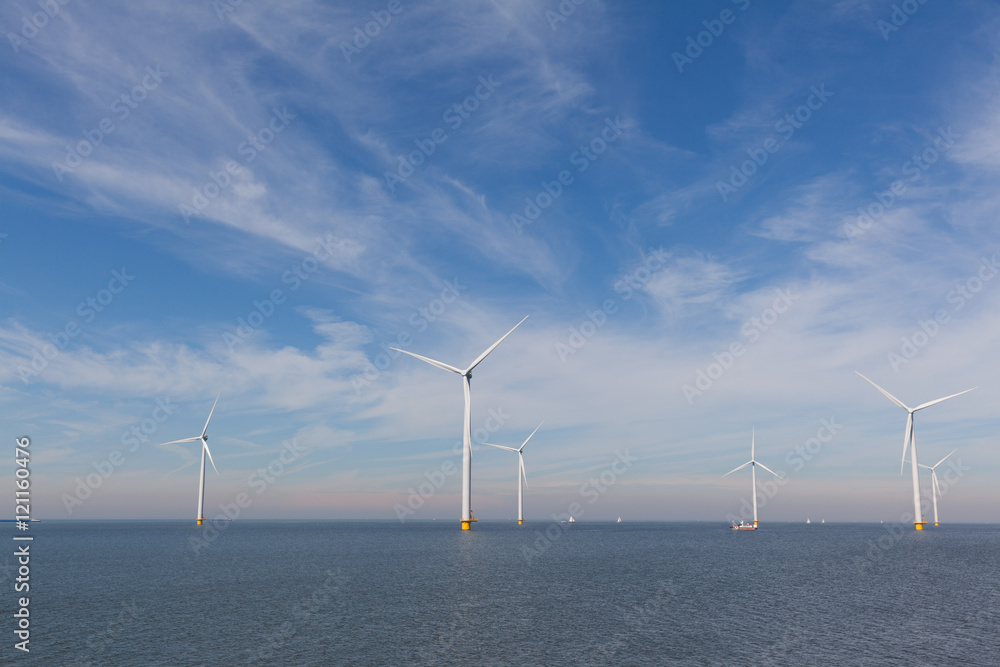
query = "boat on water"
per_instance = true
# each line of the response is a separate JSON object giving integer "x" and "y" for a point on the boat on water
{"x": 743, "y": 525}
{"x": 572, "y": 520}
{"x": 807, "y": 520}
{"x": 619, "y": 520}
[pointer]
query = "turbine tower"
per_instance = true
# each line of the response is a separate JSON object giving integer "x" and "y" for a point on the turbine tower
{"x": 935, "y": 486}
{"x": 204, "y": 450}
{"x": 467, "y": 516}
{"x": 909, "y": 440}
{"x": 520, "y": 473}
{"x": 753, "y": 463}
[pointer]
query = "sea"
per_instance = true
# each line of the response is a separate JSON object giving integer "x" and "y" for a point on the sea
{"x": 426, "y": 593}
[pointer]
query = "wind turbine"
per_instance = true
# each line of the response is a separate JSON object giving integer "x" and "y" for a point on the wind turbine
{"x": 753, "y": 463}
{"x": 204, "y": 450}
{"x": 909, "y": 439}
{"x": 520, "y": 473}
{"x": 935, "y": 486}
{"x": 467, "y": 516}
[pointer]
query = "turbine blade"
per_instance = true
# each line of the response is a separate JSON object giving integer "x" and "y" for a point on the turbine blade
{"x": 906, "y": 439}
{"x": 204, "y": 443}
{"x": 943, "y": 460}
{"x": 432, "y": 362}
{"x": 509, "y": 449}
{"x": 768, "y": 469}
{"x": 529, "y": 437}
{"x": 740, "y": 468}
{"x": 174, "y": 442}
{"x": 887, "y": 394}
{"x": 205, "y": 430}
{"x": 930, "y": 403}
{"x": 490, "y": 349}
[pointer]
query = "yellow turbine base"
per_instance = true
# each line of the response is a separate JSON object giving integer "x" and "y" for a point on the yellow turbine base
{"x": 199, "y": 521}
{"x": 466, "y": 525}
{"x": 935, "y": 523}
{"x": 919, "y": 526}
{"x": 754, "y": 524}
{"x": 520, "y": 521}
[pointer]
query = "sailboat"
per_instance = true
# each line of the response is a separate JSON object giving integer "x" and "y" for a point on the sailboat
{"x": 572, "y": 520}
{"x": 807, "y": 520}
{"x": 619, "y": 520}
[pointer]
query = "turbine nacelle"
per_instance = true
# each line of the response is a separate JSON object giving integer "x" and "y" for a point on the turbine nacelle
{"x": 935, "y": 485}
{"x": 908, "y": 437}
{"x": 753, "y": 461}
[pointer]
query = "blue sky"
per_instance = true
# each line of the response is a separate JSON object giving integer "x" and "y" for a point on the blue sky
{"x": 713, "y": 216}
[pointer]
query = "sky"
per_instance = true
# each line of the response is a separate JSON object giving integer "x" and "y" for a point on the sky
{"x": 713, "y": 214}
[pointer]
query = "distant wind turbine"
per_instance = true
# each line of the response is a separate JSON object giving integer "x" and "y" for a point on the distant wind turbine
{"x": 521, "y": 475}
{"x": 467, "y": 516}
{"x": 204, "y": 450}
{"x": 910, "y": 440}
{"x": 753, "y": 463}
{"x": 935, "y": 485}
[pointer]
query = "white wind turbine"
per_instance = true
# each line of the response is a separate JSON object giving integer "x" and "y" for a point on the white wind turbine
{"x": 467, "y": 516}
{"x": 521, "y": 475}
{"x": 935, "y": 486}
{"x": 910, "y": 440}
{"x": 204, "y": 450}
{"x": 753, "y": 463}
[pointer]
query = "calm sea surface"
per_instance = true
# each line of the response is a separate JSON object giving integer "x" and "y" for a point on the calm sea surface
{"x": 357, "y": 593}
